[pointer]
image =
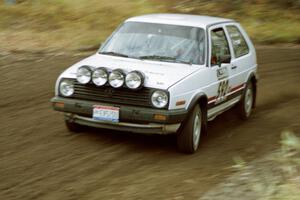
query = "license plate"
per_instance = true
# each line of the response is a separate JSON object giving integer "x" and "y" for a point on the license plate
{"x": 106, "y": 113}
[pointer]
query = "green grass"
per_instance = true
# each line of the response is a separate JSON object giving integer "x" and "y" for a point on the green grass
{"x": 275, "y": 177}
{"x": 72, "y": 24}
{"x": 288, "y": 160}
{"x": 265, "y": 21}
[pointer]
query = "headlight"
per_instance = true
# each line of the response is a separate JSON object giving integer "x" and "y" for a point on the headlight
{"x": 100, "y": 76}
{"x": 116, "y": 78}
{"x": 159, "y": 99}
{"x": 84, "y": 74}
{"x": 66, "y": 88}
{"x": 134, "y": 80}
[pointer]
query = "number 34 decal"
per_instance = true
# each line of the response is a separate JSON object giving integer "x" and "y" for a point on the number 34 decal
{"x": 222, "y": 90}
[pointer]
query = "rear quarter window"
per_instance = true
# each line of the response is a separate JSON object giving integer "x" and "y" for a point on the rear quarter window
{"x": 240, "y": 46}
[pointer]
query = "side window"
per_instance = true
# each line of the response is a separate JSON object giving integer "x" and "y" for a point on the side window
{"x": 220, "y": 47}
{"x": 239, "y": 43}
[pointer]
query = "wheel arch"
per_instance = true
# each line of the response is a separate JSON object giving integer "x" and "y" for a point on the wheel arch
{"x": 200, "y": 99}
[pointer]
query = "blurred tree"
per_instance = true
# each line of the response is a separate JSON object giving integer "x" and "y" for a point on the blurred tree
{"x": 10, "y": 2}
{"x": 13, "y": 2}
{"x": 231, "y": 5}
{"x": 286, "y": 3}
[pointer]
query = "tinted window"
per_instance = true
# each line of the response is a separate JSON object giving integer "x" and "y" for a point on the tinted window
{"x": 239, "y": 44}
{"x": 220, "y": 47}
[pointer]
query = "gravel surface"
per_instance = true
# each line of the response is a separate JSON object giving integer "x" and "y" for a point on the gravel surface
{"x": 40, "y": 159}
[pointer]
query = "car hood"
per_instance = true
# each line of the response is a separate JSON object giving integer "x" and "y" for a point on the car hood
{"x": 159, "y": 75}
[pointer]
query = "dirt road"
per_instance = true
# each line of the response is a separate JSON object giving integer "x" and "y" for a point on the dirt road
{"x": 40, "y": 159}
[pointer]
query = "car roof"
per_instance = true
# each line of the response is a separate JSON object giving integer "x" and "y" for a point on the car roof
{"x": 180, "y": 19}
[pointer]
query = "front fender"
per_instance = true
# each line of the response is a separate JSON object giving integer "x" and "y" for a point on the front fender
{"x": 197, "y": 99}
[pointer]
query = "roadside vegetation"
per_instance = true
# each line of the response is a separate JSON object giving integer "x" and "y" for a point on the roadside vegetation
{"x": 272, "y": 177}
{"x": 77, "y": 24}
{"x": 288, "y": 160}
{"x": 283, "y": 182}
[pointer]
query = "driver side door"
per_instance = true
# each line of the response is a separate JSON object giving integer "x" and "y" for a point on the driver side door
{"x": 220, "y": 58}
{"x": 220, "y": 70}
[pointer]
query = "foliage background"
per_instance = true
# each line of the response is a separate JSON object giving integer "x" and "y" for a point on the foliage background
{"x": 73, "y": 24}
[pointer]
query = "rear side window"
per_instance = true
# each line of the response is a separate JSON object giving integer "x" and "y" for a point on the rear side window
{"x": 239, "y": 43}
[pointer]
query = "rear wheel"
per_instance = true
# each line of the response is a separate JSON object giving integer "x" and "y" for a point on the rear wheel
{"x": 188, "y": 138}
{"x": 245, "y": 107}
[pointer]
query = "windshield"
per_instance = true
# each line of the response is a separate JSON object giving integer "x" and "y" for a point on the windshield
{"x": 169, "y": 43}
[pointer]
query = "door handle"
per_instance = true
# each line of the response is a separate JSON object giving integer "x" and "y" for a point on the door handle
{"x": 233, "y": 67}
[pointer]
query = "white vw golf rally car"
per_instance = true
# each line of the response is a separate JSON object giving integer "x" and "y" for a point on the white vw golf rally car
{"x": 162, "y": 73}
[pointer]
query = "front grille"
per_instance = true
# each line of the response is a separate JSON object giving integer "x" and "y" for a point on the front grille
{"x": 122, "y": 96}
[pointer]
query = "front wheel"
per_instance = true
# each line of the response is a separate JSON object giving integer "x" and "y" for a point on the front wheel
{"x": 73, "y": 127}
{"x": 188, "y": 138}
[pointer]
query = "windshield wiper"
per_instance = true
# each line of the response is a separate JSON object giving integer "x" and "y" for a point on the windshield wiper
{"x": 164, "y": 58}
{"x": 184, "y": 62}
{"x": 114, "y": 54}
{"x": 157, "y": 57}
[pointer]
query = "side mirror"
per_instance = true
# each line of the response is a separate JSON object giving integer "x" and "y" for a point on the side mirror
{"x": 224, "y": 59}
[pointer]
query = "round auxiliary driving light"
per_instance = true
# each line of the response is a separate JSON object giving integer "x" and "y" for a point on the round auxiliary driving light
{"x": 116, "y": 78}
{"x": 134, "y": 80}
{"x": 100, "y": 76}
{"x": 84, "y": 74}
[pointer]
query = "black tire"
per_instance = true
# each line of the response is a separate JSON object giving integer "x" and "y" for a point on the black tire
{"x": 73, "y": 127}
{"x": 245, "y": 106}
{"x": 187, "y": 140}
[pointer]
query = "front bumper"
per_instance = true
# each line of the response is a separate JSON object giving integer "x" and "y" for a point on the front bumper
{"x": 133, "y": 119}
{"x": 124, "y": 126}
